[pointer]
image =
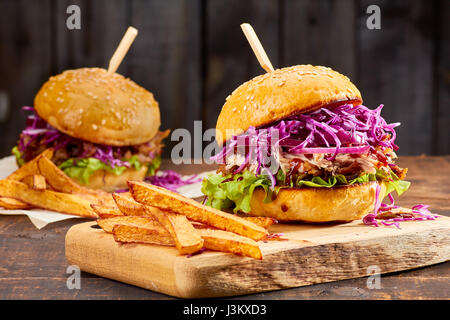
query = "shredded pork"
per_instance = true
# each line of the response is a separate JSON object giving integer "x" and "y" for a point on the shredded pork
{"x": 349, "y": 165}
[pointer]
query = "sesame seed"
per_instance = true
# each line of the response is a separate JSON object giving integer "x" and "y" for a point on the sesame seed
{"x": 94, "y": 127}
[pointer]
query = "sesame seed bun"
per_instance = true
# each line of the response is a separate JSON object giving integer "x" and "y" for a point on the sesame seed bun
{"x": 337, "y": 204}
{"x": 280, "y": 94}
{"x": 100, "y": 107}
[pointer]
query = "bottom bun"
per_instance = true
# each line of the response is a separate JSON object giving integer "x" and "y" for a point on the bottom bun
{"x": 110, "y": 182}
{"x": 338, "y": 204}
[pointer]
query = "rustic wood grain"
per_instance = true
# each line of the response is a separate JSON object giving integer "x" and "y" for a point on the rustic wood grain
{"x": 25, "y": 62}
{"x": 166, "y": 59}
{"x": 229, "y": 58}
{"x": 314, "y": 254}
{"x": 191, "y": 54}
{"x": 25, "y": 275}
{"x": 320, "y": 33}
{"x": 441, "y": 112}
{"x": 396, "y": 69}
{"x": 103, "y": 23}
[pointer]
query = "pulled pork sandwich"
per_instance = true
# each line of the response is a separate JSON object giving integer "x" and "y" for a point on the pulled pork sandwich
{"x": 298, "y": 145}
{"x": 104, "y": 128}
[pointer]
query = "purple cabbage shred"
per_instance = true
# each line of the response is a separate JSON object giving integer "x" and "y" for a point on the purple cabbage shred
{"x": 420, "y": 212}
{"x": 171, "y": 180}
{"x": 343, "y": 129}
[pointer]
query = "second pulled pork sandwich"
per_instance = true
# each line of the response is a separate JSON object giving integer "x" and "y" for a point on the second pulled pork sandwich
{"x": 298, "y": 145}
{"x": 104, "y": 128}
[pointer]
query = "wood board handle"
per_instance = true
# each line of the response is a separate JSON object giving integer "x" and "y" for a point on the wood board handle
{"x": 122, "y": 49}
{"x": 257, "y": 47}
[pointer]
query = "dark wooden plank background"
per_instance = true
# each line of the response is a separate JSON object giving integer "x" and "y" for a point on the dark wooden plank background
{"x": 191, "y": 54}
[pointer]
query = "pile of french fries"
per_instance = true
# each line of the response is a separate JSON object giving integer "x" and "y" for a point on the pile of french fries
{"x": 146, "y": 214}
{"x": 41, "y": 184}
{"x": 153, "y": 215}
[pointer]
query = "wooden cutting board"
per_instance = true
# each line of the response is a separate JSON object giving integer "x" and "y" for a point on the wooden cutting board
{"x": 313, "y": 254}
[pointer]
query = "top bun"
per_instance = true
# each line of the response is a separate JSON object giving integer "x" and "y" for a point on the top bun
{"x": 282, "y": 93}
{"x": 100, "y": 107}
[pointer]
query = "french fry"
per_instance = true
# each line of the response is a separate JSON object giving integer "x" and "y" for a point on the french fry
{"x": 225, "y": 241}
{"x": 46, "y": 199}
{"x": 214, "y": 239}
{"x": 199, "y": 225}
{"x": 30, "y": 167}
{"x": 132, "y": 234}
{"x": 35, "y": 182}
{"x": 105, "y": 211}
{"x": 167, "y": 200}
{"x": 187, "y": 240}
{"x": 127, "y": 205}
{"x": 13, "y": 204}
{"x": 59, "y": 181}
{"x": 264, "y": 222}
{"x": 108, "y": 224}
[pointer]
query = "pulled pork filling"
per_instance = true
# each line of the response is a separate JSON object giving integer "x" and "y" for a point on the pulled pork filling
{"x": 67, "y": 148}
{"x": 145, "y": 152}
{"x": 310, "y": 165}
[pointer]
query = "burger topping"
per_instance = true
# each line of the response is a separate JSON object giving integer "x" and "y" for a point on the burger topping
{"x": 325, "y": 148}
{"x": 78, "y": 158}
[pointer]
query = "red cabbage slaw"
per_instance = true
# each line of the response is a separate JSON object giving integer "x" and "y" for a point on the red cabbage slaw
{"x": 171, "y": 180}
{"x": 343, "y": 129}
{"x": 420, "y": 212}
{"x": 39, "y": 130}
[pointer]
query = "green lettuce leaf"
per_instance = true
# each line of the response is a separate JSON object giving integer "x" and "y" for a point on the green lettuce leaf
{"x": 393, "y": 182}
{"x": 153, "y": 166}
{"x": 224, "y": 192}
{"x": 236, "y": 191}
{"x": 20, "y": 161}
{"x": 134, "y": 162}
{"x": 82, "y": 169}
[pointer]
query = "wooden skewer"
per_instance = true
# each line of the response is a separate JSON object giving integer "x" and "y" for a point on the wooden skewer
{"x": 257, "y": 47}
{"x": 122, "y": 49}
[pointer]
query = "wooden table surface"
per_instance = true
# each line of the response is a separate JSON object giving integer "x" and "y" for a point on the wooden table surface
{"x": 33, "y": 263}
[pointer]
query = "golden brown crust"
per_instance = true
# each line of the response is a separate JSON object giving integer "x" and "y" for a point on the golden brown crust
{"x": 282, "y": 93}
{"x": 346, "y": 203}
{"x": 110, "y": 182}
{"x": 94, "y": 105}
